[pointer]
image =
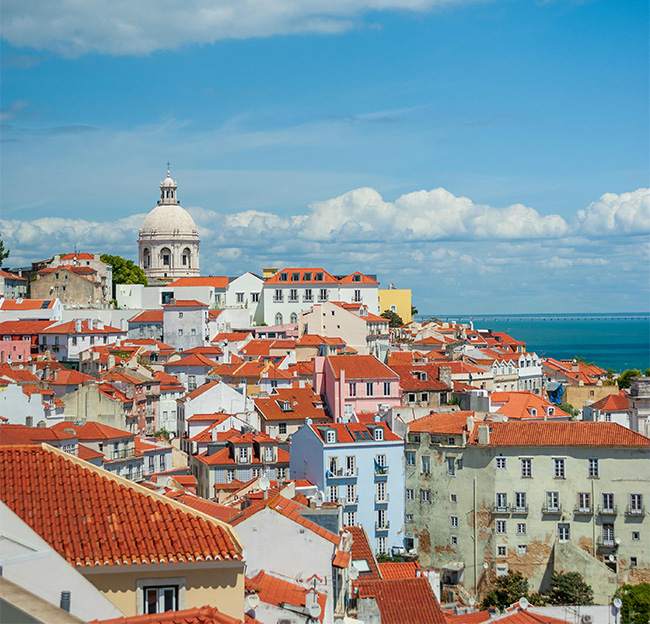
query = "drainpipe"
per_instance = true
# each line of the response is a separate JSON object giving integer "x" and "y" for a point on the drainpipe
{"x": 593, "y": 519}
{"x": 475, "y": 538}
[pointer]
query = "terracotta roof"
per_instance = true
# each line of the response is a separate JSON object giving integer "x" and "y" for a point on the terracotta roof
{"x": 94, "y": 518}
{"x": 21, "y": 434}
{"x": 23, "y": 328}
{"x": 359, "y": 367}
{"x": 409, "y": 377}
{"x": 303, "y": 274}
{"x": 196, "y": 615}
{"x": 207, "y": 351}
{"x": 201, "y": 504}
{"x": 231, "y": 336}
{"x": 524, "y": 616}
{"x": 345, "y": 432}
{"x": 275, "y": 591}
{"x": 13, "y": 276}
{"x": 223, "y": 457}
{"x": 69, "y": 328}
{"x": 68, "y": 377}
{"x": 403, "y": 601}
{"x": 86, "y": 453}
{"x": 612, "y": 403}
{"x": 148, "y": 316}
{"x": 185, "y": 303}
{"x": 361, "y": 549}
{"x": 363, "y": 279}
{"x": 341, "y": 558}
{"x": 562, "y": 433}
{"x": 200, "y": 390}
{"x": 469, "y": 618}
{"x": 449, "y": 422}
{"x": 27, "y": 304}
{"x": 93, "y": 431}
{"x": 194, "y": 359}
{"x": 289, "y": 509}
{"x": 17, "y": 374}
{"x": 214, "y": 282}
{"x": 301, "y": 403}
{"x": 403, "y": 570}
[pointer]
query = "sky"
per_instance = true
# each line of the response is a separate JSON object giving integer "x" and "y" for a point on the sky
{"x": 493, "y": 156}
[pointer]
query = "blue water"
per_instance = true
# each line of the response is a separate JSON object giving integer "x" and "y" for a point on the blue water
{"x": 617, "y": 341}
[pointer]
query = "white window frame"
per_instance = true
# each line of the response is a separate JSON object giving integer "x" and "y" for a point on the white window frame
{"x": 178, "y": 582}
{"x": 559, "y": 468}
{"x": 526, "y": 467}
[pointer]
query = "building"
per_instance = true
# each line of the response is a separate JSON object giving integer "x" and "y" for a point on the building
{"x": 147, "y": 324}
{"x": 640, "y": 404}
{"x": 12, "y": 286}
{"x": 185, "y": 324}
{"x": 483, "y": 498}
{"x": 74, "y": 286}
{"x": 612, "y": 408}
{"x": 67, "y": 340}
{"x": 168, "y": 245}
{"x": 396, "y": 300}
{"x": 362, "y": 468}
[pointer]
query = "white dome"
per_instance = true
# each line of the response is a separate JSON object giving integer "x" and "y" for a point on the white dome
{"x": 168, "y": 181}
{"x": 169, "y": 218}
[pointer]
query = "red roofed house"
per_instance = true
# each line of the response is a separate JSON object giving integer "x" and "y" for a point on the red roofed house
{"x": 582, "y": 382}
{"x": 67, "y": 340}
{"x": 144, "y": 552}
{"x": 245, "y": 292}
{"x": 30, "y": 309}
{"x": 78, "y": 286}
{"x": 423, "y": 384}
{"x": 240, "y": 457}
{"x": 28, "y": 404}
{"x": 191, "y": 370}
{"x": 12, "y": 286}
{"x": 24, "y": 332}
{"x": 525, "y": 405}
{"x": 547, "y": 495}
{"x": 355, "y": 383}
{"x": 289, "y": 540}
{"x": 147, "y": 324}
{"x": 612, "y": 408}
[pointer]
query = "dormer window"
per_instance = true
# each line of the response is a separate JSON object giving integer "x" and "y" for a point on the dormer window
{"x": 285, "y": 406}
{"x": 243, "y": 454}
{"x": 318, "y": 277}
{"x": 283, "y": 277}
{"x": 356, "y": 277}
{"x": 551, "y": 411}
{"x": 295, "y": 277}
{"x": 307, "y": 277}
{"x": 331, "y": 436}
{"x": 533, "y": 411}
{"x": 379, "y": 434}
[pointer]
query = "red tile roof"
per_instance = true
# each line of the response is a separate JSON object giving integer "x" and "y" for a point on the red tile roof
{"x": 69, "y": 328}
{"x": 231, "y": 337}
{"x": 360, "y": 367}
{"x": 148, "y": 316}
{"x": 86, "y": 453}
{"x": 205, "y": 506}
{"x": 68, "y": 377}
{"x": 78, "y": 256}
{"x": 27, "y": 304}
{"x": 523, "y": 616}
{"x": 94, "y": 518}
{"x": 361, "y": 550}
{"x": 185, "y": 303}
{"x": 21, "y": 434}
{"x": 23, "y": 328}
{"x": 403, "y": 570}
{"x": 409, "y": 377}
{"x": 364, "y": 279}
{"x": 194, "y": 359}
{"x": 19, "y": 375}
{"x": 520, "y": 405}
{"x": 344, "y": 432}
{"x": 469, "y": 618}
{"x": 451, "y": 422}
{"x": 92, "y": 431}
{"x": 302, "y": 403}
{"x": 612, "y": 403}
{"x": 223, "y": 456}
{"x": 341, "y": 558}
{"x": 214, "y": 282}
{"x": 13, "y": 276}
{"x": 403, "y": 601}
{"x": 563, "y": 433}
{"x": 196, "y": 615}
{"x": 327, "y": 278}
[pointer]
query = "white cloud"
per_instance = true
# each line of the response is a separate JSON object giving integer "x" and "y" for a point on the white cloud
{"x": 627, "y": 213}
{"x": 76, "y": 27}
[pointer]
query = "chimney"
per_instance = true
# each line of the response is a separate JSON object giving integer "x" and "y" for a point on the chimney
{"x": 110, "y": 361}
{"x": 77, "y": 325}
{"x": 444, "y": 375}
{"x": 484, "y": 434}
{"x": 470, "y": 424}
{"x": 575, "y": 367}
{"x": 123, "y": 324}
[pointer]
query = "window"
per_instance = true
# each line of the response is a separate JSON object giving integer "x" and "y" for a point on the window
{"x": 636, "y": 536}
{"x": 370, "y": 390}
{"x": 410, "y": 458}
{"x": 268, "y": 453}
{"x": 426, "y": 464}
{"x": 552, "y": 501}
{"x": 381, "y": 545}
{"x": 379, "y": 434}
{"x": 451, "y": 466}
{"x": 255, "y": 297}
{"x": 521, "y": 549}
{"x": 180, "y": 315}
{"x": 608, "y": 534}
{"x": 584, "y": 502}
{"x": 453, "y": 521}
{"x": 357, "y": 296}
{"x": 278, "y": 295}
{"x": 425, "y": 496}
{"x": 283, "y": 277}
{"x": 387, "y": 388}
{"x": 323, "y": 294}
{"x": 331, "y": 436}
{"x": 293, "y": 294}
{"x": 453, "y": 498}
{"x": 636, "y": 504}
{"x": 380, "y": 519}
{"x": 380, "y": 487}
{"x": 278, "y": 319}
{"x": 410, "y": 495}
{"x": 308, "y": 295}
{"x": 281, "y": 473}
{"x": 633, "y": 562}
{"x": 74, "y": 341}
{"x": 350, "y": 518}
{"x": 180, "y": 332}
{"x": 563, "y": 532}
{"x": 521, "y": 528}
{"x": 239, "y": 297}
{"x": 500, "y": 463}
{"x": 593, "y": 468}
{"x": 295, "y": 277}
{"x": 351, "y": 493}
{"x": 501, "y": 527}
{"x": 559, "y": 468}
{"x": 502, "y": 501}
{"x": 501, "y": 551}
{"x": 607, "y": 502}
{"x": 520, "y": 501}
{"x": 282, "y": 428}
{"x": 350, "y": 465}
{"x": 193, "y": 332}
{"x": 526, "y": 467}
{"x": 243, "y": 454}
{"x": 156, "y": 598}
{"x": 230, "y": 475}
{"x": 191, "y": 382}
{"x": 333, "y": 493}
{"x": 409, "y": 517}
{"x": 255, "y": 472}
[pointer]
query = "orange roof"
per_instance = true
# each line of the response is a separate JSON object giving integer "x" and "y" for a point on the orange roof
{"x": 13, "y": 276}
{"x": 223, "y": 456}
{"x": 612, "y": 403}
{"x": 215, "y": 282}
{"x": 523, "y": 616}
{"x": 68, "y": 377}
{"x": 21, "y": 434}
{"x": 204, "y": 351}
{"x": 469, "y": 618}
{"x": 93, "y": 518}
{"x": 78, "y": 256}
{"x": 344, "y": 432}
{"x": 201, "y": 504}
{"x": 231, "y": 336}
{"x": 86, "y": 453}
{"x": 17, "y": 374}
{"x": 275, "y": 591}
{"x": 409, "y": 377}
{"x": 196, "y": 615}
{"x": 403, "y": 570}
{"x": 403, "y": 601}
{"x": 562, "y": 433}
{"x": 194, "y": 359}
{"x": 200, "y": 390}
{"x": 360, "y": 367}
{"x": 289, "y": 509}
{"x": 450, "y": 422}
{"x": 185, "y": 303}
{"x": 27, "y": 304}
{"x": 148, "y": 316}
{"x": 292, "y": 404}
{"x": 92, "y": 431}
{"x": 361, "y": 550}
{"x": 341, "y": 558}
{"x": 24, "y": 328}
{"x": 362, "y": 279}
{"x": 520, "y": 405}
{"x": 304, "y": 276}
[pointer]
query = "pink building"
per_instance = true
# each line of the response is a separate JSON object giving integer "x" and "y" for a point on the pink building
{"x": 355, "y": 383}
{"x": 15, "y": 351}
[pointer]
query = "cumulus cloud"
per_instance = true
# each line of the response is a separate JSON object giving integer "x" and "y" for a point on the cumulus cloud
{"x": 76, "y": 27}
{"x": 627, "y": 213}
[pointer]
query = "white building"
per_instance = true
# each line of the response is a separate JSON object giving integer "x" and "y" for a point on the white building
{"x": 185, "y": 324}
{"x": 168, "y": 246}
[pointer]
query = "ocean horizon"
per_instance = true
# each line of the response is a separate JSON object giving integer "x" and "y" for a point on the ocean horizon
{"x": 619, "y": 340}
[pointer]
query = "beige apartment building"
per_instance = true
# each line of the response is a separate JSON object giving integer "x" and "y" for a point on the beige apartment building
{"x": 483, "y": 498}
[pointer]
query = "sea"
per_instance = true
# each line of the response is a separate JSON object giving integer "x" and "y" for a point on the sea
{"x": 616, "y": 341}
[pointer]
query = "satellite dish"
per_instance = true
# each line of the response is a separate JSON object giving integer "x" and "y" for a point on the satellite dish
{"x": 523, "y": 603}
{"x": 314, "y": 610}
{"x": 353, "y": 573}
{"x": 612, "y": 558}
{"x": 472, "y": 602}
{"x": 253, "y": 600}
{"x": 617, "y": 541}
{"x": 264, "y": 483}
{"x": 486, "y": 565}
{"x": 618, "y": 603}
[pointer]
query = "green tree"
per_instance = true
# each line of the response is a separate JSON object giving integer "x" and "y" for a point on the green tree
{"x": 3, "y": 254}
{"x": 506, "y": 590}
{"x": 569, "y": 588}
{"x": 162, "y": 433}
{"x": 636, "y": 603}
{"x": 414, "y": 310}
{"x": 626, "y": 375}
{"x": 647, "y": 372}
{"x": 569, "y": 409}
{"x": 124, "y": 271}
{"x": 395, "y": 320}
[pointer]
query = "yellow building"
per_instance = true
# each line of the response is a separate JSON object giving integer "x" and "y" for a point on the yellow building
{"x": 397, "y": 300}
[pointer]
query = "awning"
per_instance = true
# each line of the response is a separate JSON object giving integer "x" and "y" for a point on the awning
{"x": 553, "y": 386}
{"x": 454, "y": 566}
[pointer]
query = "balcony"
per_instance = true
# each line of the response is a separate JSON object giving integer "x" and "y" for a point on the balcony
{"x": 121, "y": 454}
{"x": 606, "y": 541}
{"x": 381, "y": 471}
{"x": 278, "y": 299}
{"x": 552, "y": 509}
{"x": 351, "y": 500}
{"x": 635, "y": 511}
{"x": 293, "y": 299}
{"x": 382, "y": 526}
{"x": 607, "y": 511}
{"x": 342, "y": 473}
{"x": 501, "y": 509}
{"x": 382, "y": 501}
{"x": 520, "y": 509}
{"x": 582, "y": 511}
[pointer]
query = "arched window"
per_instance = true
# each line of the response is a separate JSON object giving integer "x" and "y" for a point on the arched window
{"x": 146, "y": 258}
{"x": 166, "y": 257}
{"x": 278, "y": 319}
{"x": 294, "y": 318}
{"x": 187, "y": 256}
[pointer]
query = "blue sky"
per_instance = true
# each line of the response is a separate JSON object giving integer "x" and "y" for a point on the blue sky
{"x": 492, "y": 156}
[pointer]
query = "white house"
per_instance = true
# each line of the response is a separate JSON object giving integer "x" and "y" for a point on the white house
{"x": 245, "y": 292}
{"x": 185, "y": 324}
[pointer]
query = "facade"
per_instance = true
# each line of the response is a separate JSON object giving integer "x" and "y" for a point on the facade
{"x": 612, "y": 408}
{"x": 147, "y": 324}
{"x": 483, "y": 498}
{"x": 67, "y": 340}
{"x": 185, "y": 324}
{"x": 168, "y": 246}
{"x": 360, "y": 467}
{"x": 245, "y": 291}
{"x": 640, "y": 405}
{"x": 12, "y": 286}
{"x": 396, "y": 300}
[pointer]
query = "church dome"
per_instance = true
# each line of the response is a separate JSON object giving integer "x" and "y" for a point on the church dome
{"x": 168, "y": 181}
{"x": 169, "y": 218}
